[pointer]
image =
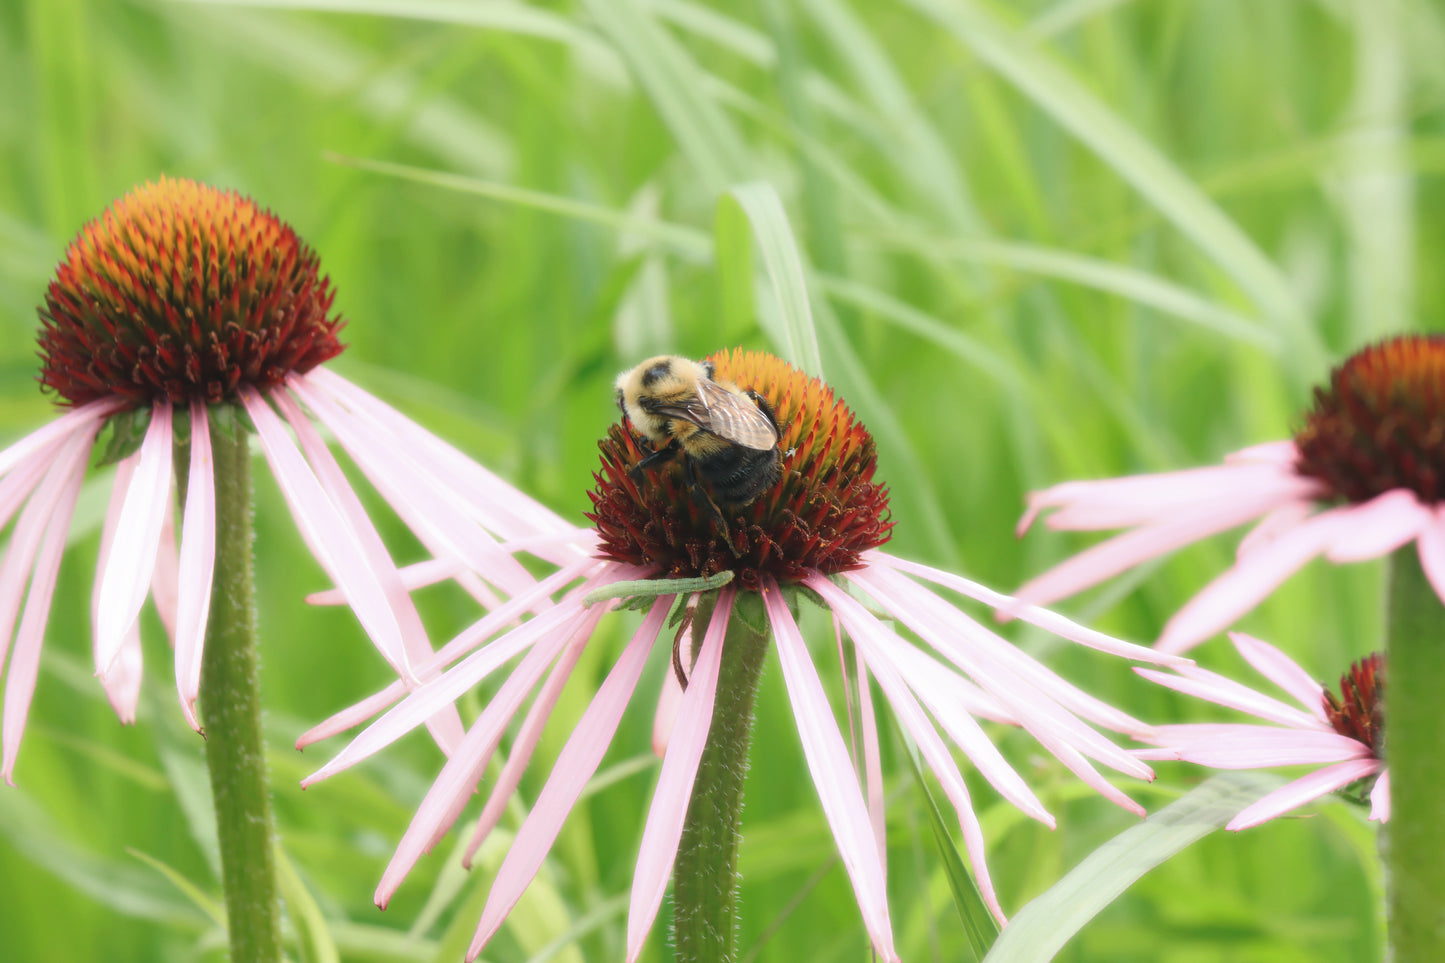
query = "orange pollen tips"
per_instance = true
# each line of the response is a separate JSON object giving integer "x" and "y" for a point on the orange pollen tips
{"x": 1379, "y": 424}
{"x": 183, "y": 291}
{"x": 1359, "y": 710}
{"x": 823, "y": 510}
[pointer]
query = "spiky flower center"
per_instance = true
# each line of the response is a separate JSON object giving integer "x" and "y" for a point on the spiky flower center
{"x": 1359, "y": 710}
{"x": 824, "y": 510}
{"x": 1379, "y": 424}
{"x": 183, "y": 291}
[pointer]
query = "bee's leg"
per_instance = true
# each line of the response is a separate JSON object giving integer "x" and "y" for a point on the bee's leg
{"x": 665, "y": 453}
{"x": 705, "y": 502}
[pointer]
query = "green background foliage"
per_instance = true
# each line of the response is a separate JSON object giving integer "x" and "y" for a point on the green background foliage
{"x": 1041, "y": 240}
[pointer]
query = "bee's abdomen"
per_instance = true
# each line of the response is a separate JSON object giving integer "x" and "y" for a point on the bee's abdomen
{"x": 736, "y": 476}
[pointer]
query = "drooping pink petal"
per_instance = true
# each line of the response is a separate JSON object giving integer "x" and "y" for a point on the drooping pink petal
{"x": 127, "y": 574}
{"x": 425, "y": 506}
{"x": 666, "y": 715}
{"x": 1232, "y": 745}
{"x": 328, "y": 534}
{"x": 1283, "y": 519}
{"x": 446, "y": 725}
{"x": 1283, "y": 671}
{"x": 53, "y": 508}
{"x": 1148, "y": 500}
{"x": 165, "y": 574}
{"x": 665, "y": 816}
{"x": 1226, "y": 692}
{"x": 83, "y": 420}
{"x": 1282, "y": 453}
{"x": 16, "y": 486}
{"x": 872, "y": 763}
{"x": 1432, "y": 552}
{"x": 1319, "y": 783}
{"x": 920, "y": 728}
{"x": 1378, "y": 527}
{"x": 936, "y": 685}
{"x": 1252, "y": 578}
{"x": 422, "y": 702}
{"x": 1380, "y": 798}
{"x": 465, "y": 642}
{"x": 197, "y": 564}
{"x": 414, "y": 576}
{"x": 127, "y": 671}
{"x": 575, "y": 765}
{"x": 523, "y": 746}
{"x": 833, "y": 775}
{"x": 458, "y": 780}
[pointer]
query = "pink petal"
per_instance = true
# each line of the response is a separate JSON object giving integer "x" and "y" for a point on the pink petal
{"x": 424, "y": 701}
{"x": 84, "y": 420}
{"x": 872, "y": 764}
{"x": 127, "y": 671}
{"x": 446, "y": 726}
{"x": 1378, "y": 527}
{"x": 165, "y": 574}
{"x": 1223, "y": 691}
{"x": 935, "y": 684}
{"x": 1242, "y": 746}
{"x": 918, "y": 726}
{"x": 836, "y": 782}
{"x": 1318, "y": 783}
{"x": 1284, "y": 519}
{"x": 523, "y": 746}
{"x": 575, "y": 765}
{"x": 197, "y": 564}
{"x": 1281, "y": 453}
{"x": 1380, "y": 798}
{"x": 1432, "y": 552}
{"x": 127, "y": 574}
{"x": 331, "y": 539}
{"x": 670, "y": 800}
{"x": 52, "y": 509}
{"x": 1283, "y": 671}
{"x": 458, "y": 779}
{"x": 413, "y": 494}
{"x": 1252, "y": 578}
{"x": 665, "y": 718}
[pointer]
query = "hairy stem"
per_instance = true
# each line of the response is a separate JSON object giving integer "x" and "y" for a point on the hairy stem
{"x": 1414, "y": 841}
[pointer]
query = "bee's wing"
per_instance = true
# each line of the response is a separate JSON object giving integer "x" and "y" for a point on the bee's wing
{"x": 735, "y": 417}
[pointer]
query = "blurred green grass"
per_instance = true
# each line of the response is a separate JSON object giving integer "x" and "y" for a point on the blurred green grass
{"x": 1043, "y": 241}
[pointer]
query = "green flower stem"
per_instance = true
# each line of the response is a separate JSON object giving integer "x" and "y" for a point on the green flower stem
{"x": 1414, "y": 841}
{"x": 231, "y": 710}
{"x": 705, "y": 875}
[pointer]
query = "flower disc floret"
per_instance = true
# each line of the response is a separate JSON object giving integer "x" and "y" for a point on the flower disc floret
{"x": 183, "y": 291}
{"x": 1379, "y": 425}
{"x": 1359, "y": 710}
{"x": 823, "y": 512}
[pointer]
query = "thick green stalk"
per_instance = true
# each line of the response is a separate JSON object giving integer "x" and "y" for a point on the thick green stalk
{"x": 705, "y": 875}
{"x": 1414, "y": 841}
{"x": 231, "y": 712}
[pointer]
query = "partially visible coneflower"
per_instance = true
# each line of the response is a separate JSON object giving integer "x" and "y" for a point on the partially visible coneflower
{"x": 185, "y": 318}
{"x": 814, "y": 536}
{"x": 1363, "y": 476}
{"x": 1342, "y": 735}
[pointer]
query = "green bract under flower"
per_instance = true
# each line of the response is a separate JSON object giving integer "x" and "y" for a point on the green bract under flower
{"x": 821, "y": 514}
{"x": 1379, "y": 425}
{"x": 184, "y": 292}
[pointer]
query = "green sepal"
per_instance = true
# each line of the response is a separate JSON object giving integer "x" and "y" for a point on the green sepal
{"x": 122, "y": 435}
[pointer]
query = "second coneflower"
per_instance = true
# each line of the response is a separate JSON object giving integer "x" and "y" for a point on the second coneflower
{"x": 814, "y": 536}
{"x": 1363, "y": 476}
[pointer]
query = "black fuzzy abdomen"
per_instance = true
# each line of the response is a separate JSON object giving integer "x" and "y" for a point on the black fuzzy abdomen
{"x": 736, "y": 475}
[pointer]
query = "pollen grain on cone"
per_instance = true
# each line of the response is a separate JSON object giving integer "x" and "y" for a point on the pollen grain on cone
{"x": 822, "y": 513}
{"x": 181, "y": 290}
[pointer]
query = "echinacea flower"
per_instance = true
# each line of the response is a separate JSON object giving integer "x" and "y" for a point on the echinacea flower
{"x": 1343, "y": 735}
{"x": 816, "y": 534}
{"x": 1362, "y": 477}
{"x": 185, "y": 306}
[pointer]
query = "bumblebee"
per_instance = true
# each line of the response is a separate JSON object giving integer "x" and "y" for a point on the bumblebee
{"x": 727, "y": 436}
